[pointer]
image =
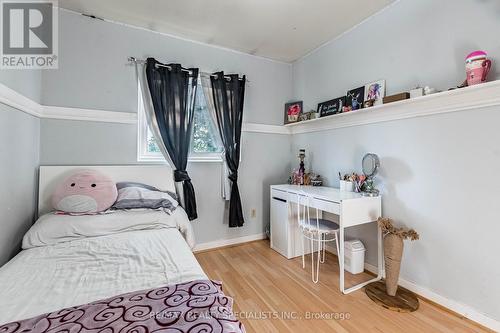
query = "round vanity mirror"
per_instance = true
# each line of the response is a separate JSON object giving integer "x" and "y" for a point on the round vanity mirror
{"x": 370, "y": 165}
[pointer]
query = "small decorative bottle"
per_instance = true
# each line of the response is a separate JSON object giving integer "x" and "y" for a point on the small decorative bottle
{"x": 302, "y": 169}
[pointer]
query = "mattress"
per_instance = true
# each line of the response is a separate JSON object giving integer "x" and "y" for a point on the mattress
{"x": 53, "y": 276}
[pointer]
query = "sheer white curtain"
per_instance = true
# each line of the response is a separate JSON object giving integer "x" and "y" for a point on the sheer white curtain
{"x": 140, "y": 69}
{"x": 209, "y": 97}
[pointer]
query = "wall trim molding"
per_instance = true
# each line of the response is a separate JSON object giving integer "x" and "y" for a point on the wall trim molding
{"x": 265, "y": 128}
{"x": 12, "y": 98}
{"x": 65, "y": 113}
{"x": 473, "y": 97}
{"x": 228, "y": 242}
{"x": 22, "y": 103}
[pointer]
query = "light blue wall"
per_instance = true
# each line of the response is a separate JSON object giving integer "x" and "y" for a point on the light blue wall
{"x": 264, "y": 162}
{"x": 409, "y": 43}
{"x": 25, "y": 81}
{"x": 428, "y": 165}
{"x": 19, "y": 158}
{"x": 432, "y": 168}
{"x": 93, "y": 73}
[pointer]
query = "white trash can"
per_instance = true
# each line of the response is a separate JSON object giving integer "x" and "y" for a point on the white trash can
{"x": 354, "y": 254}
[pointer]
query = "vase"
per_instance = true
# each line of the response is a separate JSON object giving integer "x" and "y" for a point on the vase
{"x": 393, "y": 251}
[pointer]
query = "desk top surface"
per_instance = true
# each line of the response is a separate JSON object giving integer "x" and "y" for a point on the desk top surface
{"x": 320, "y": 192}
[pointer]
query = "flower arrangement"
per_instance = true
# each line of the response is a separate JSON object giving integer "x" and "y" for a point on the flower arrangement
{"x": 393, "y": 251}
{"x": 358, "y": 180}
{"x": 388, "y": 228}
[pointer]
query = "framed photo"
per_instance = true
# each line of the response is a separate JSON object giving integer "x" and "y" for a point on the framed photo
{"x": 375, "y": 91}
{"x": 307, "y": 116}
{"x": 292, "y": 112}
{"x": 355, "y": 98}
{"x": 332, "y": 106}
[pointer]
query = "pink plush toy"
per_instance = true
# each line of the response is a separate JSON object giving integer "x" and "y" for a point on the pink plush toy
{"x": 85, "y": 192}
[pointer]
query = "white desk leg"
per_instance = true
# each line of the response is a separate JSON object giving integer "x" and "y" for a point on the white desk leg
{"x": 380, "y": 261}
{"x": 380, "y": 264}
{"x": 341, "y": 257}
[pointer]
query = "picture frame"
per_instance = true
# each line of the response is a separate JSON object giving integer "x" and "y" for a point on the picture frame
{"x": 331, "y": 107}
{"x": 306, "y": 116}
{"x": 355, "y": 98}
{"x": 375, "y": 91}
{"x": 292, "y": 112}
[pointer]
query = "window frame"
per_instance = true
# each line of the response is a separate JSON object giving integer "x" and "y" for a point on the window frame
{"x": 144, "y": 156}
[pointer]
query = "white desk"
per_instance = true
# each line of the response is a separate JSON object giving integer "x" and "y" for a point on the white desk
{"x": 352, "y": 209}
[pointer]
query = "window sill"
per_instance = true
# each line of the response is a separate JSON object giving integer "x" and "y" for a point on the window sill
{"x": 194, "y": 159}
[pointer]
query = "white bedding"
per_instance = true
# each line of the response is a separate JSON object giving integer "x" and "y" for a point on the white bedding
{"x": 52, "y": 229}
{"x": 62, "y": 268}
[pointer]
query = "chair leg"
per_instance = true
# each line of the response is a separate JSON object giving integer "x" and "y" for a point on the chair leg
{"x": 337, "y": 245}
{"x": 318, "y": 257}
{"x": 312, "y": 256}
{"x": 323, "y": 247}
{"x": 303, "y": 250}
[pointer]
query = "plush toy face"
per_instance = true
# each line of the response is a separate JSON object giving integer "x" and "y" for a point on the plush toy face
{"x": 85, "y": 192}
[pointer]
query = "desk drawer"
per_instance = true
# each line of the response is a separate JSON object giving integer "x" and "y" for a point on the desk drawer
{"x": 321, "y": 204}
{"x": 326, "y": 206}
{"x": 282, "y": 195}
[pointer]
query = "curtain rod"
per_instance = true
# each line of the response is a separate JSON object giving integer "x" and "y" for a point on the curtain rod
{"x": 142, "y": 61}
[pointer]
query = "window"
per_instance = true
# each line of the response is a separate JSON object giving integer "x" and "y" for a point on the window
{"x": 205, "y": 142}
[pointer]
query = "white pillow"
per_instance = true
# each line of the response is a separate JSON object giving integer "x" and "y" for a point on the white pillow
{"x": 136, "y": 195}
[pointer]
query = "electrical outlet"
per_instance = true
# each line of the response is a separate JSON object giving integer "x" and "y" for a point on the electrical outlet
{"x": 253, "y": 213}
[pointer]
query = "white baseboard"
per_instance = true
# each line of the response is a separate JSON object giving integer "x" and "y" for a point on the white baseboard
{"x": 459, "y": 308}
{"x": 227, "y": 242}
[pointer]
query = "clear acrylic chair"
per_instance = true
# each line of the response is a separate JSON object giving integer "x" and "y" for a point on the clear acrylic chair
{"x": 317, "y": 230}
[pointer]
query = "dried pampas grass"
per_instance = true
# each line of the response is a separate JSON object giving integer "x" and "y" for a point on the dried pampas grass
{"x": 387, "y": 226}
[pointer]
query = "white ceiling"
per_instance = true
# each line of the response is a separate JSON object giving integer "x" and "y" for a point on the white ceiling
{"x": 278, "y": 29}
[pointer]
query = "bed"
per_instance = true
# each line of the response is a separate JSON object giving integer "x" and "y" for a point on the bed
{"x": 88, "y": 259}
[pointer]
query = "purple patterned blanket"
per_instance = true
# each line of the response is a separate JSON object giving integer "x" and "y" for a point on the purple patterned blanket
{"x": 196, "y": 306}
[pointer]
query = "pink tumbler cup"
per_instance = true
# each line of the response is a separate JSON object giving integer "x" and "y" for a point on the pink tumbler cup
{"x": 477, "y": 67}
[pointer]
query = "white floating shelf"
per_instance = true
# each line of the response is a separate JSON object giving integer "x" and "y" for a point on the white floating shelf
{"x": 473, "y": 97}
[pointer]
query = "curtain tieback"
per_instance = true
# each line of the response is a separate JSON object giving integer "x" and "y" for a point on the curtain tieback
{"x": 181, "y": 175}
{"x": 233, "y": 176}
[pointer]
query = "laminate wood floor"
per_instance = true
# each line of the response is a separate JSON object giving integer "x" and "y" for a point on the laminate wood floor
{"x": 273, "y": 294}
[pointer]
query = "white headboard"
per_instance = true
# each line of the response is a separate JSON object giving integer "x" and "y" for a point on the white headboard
{"x": 159, "y": 176}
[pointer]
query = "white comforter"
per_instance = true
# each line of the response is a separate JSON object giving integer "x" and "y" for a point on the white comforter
{"x": 80, "y": 263}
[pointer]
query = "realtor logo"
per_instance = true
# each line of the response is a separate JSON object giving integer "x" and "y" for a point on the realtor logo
{"x": 29, "y": 34}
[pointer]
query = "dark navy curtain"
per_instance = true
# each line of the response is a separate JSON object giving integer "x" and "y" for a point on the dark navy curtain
{"x": 228, "y": 94}
{"x": 173, "y": 91}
